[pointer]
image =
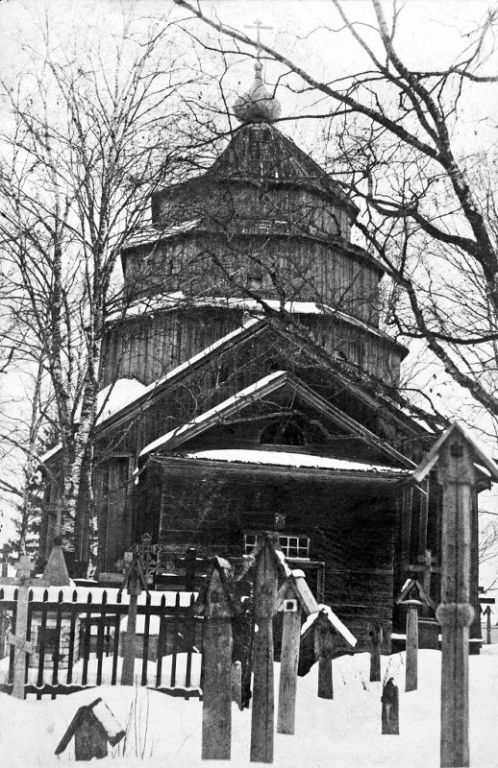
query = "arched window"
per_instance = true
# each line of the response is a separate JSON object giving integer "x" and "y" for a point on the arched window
{"x": 284, "y": 432}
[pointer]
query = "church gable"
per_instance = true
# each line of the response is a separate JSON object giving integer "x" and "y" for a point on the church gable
{"x": 279, "y": 412}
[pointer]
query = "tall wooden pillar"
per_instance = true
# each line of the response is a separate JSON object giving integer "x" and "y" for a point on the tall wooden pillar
{"x": 454, "y": 455}
{"x": 455, "y": 614}
{"x": 265, "y": 593}
{"x": 216, "y": 605}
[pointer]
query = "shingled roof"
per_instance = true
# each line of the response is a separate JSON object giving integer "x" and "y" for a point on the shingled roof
{"x": 260, "y": 151}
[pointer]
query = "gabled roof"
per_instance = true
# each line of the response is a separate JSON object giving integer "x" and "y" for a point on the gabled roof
{"x": 480, "y": 456}
{"x": 413, "y": 590}
{"x": 368, "y": 391}
{"x": 258, "y": 391}
{"x": 326, "y": 612}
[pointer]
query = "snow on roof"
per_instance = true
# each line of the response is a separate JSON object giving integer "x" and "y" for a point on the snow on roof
{"x": 130, "y": 390}
{"x": 110, "y": 400}
{"x": 218, "y": 410}
{"x": 48, "y": 454}
{"x": 116, "y": 396}
{"x": 334, "y": 620}
{"x": 151, "y": 234}
{"x": 107, "y": 720}
{"x": 177, "y": 299}
{"x": 282, "y": 458}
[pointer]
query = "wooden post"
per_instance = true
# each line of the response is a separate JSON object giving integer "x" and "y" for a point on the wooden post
{"x": 487, "y": 613}
{"x": 455, "y": 453}
{"x": 217, "y": 607}
{"x": 265, "y": 590}
{"x": 455, "y": 614}
{"x": 324, "y": 651}
{"x": 289, "y": 660}
{"x": 412, "y": 609}
{"x": 376, "y": 635}
{"x": 135, "y": 582}
{"x": 18, "y": 640}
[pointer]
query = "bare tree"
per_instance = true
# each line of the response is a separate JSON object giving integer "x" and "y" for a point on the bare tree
{"x": 425, "y": 211}
{"x": 86, "y": 143}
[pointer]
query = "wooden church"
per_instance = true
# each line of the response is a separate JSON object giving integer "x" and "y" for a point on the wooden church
{"x": 258, "y": 391}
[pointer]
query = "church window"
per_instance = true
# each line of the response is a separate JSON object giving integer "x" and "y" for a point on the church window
{"x": 293, "y": 547}
{"x": 255, "y": 281}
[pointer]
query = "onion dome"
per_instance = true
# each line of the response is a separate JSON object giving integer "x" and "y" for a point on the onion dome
{"x": 257, "y": 105}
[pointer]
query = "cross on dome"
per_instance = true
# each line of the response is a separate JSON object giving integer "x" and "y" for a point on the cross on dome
{"x": 258, "y": 105}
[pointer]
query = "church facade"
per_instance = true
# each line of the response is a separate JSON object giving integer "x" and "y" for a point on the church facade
{"x": 256, "y": 390}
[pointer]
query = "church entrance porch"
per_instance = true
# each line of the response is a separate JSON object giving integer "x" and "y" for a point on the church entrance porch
{"x": 337, "y": 520}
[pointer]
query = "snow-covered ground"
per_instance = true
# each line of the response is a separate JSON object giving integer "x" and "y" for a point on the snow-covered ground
{"x": 342, "y": 733}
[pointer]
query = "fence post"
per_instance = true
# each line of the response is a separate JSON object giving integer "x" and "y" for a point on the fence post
{"x": 376, "y": 640}
{"x": 135, "y": 583}
{"x": 216, "y": 604}
{"x": 265, "y": 592}
{"x": 289, "y": 660}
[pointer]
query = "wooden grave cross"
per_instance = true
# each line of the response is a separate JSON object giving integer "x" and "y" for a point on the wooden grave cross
{"x": 412, "y": 597}
{"x": 294, "y": 597}
{"x": 217, "y": 604}
{"x": 424, "y": 568}
{"x": 454, "y": 455}
{"x": 18, "y": 640}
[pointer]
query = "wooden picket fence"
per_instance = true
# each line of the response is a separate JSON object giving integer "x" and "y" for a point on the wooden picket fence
{"x": 77, "y": 644}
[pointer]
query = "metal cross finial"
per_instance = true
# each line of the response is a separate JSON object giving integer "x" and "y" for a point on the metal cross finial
{"x": 258, "y": 26}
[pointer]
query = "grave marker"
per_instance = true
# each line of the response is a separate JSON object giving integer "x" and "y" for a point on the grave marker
{"x": 325, "y": 626}
{"x": 217, "y": 603}
{"x": 390, "y": 708}
{"x": 294, "y": 597}
{"x": 412, "y": 597}
{"x": 454, "y": 454}
{"x": 136, "y": 582}
{"x": 93, "y": 727}
{"x": 18, "y": 640}
{"x": 269, "y": 562}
